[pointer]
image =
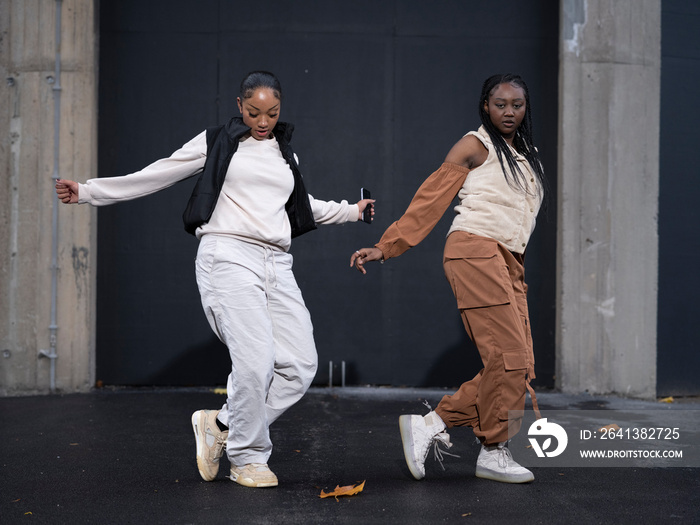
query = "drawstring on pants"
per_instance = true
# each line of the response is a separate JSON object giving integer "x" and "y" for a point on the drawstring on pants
{"x": 270, "y": 256}
{"x": 534, "y": 400}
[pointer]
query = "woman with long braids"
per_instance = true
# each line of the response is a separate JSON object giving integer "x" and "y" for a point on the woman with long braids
{"x": 496, "y": 175}
{"x": 247, "y": 205}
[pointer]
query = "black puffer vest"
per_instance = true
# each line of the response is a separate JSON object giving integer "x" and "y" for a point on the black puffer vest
{"x": 222, "y": 143}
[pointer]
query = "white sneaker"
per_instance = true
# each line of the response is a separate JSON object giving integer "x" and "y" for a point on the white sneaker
{"x": 418, "y": 434}
{"x": 497, "y": 463}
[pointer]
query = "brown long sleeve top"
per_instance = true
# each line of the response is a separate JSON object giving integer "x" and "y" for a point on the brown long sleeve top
{"x": 425, "y": 210}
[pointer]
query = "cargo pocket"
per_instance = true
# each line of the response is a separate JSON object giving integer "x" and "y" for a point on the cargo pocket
{"x": 477, "y": 273}
{"x": 514, "y": 386}
{"x": 515, "y": 360}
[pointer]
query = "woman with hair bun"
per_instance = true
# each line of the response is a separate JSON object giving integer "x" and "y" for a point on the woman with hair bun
{"x": 247, "y": 205}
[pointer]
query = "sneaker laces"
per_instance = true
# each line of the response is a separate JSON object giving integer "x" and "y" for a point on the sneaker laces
{"x": 504, "y": 456}
{"x": 442, "y": 437}
{"x": 217, "y": 450}
{"x": 439, "y": 453}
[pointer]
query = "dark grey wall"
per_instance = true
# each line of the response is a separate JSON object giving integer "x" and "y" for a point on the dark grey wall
{"x": 679, "y": 194}
{"x": 379, "y": 92}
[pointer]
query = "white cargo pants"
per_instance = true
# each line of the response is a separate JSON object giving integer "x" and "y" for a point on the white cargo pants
{"x": 255, "y": 307}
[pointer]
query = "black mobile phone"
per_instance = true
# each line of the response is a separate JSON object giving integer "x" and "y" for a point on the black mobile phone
{"x": 367, "y": 214}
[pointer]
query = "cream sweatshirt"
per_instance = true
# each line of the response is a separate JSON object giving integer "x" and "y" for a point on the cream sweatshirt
{"x": 251, "y": 205}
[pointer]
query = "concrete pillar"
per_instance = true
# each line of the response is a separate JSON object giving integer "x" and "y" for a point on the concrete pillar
{"x": 608, "y": 196}
{"x": 27, "y": 67}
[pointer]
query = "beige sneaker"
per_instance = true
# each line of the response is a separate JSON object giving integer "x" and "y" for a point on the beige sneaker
{"x": 253, "y": 475}
{"x": 211, "y": 442}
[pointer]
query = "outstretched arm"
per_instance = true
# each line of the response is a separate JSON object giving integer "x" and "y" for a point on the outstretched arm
{"x": 331, "y": 212}
{"x": 183, "y": 163}
{"x": 423, "y": 213}
{"x": 428, "y": 205}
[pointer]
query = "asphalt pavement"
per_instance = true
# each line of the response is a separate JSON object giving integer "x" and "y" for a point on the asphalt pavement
{"x": 122, "y": 456}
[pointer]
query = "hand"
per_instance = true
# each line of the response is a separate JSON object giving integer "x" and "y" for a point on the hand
{"x": 67, "y": 191}
{"x": 363, "y": 255}
{"x": 363, "y": 204}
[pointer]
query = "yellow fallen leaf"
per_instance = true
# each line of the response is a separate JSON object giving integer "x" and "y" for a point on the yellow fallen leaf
{"x": 348, "y": 490}
{"x": 611, "y": 426}
{"x": 220, "y": 391}
{"x": 668, "y": 399}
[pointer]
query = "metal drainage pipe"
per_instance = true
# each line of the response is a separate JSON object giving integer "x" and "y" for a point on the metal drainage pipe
{"x": 56, "y": 88}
